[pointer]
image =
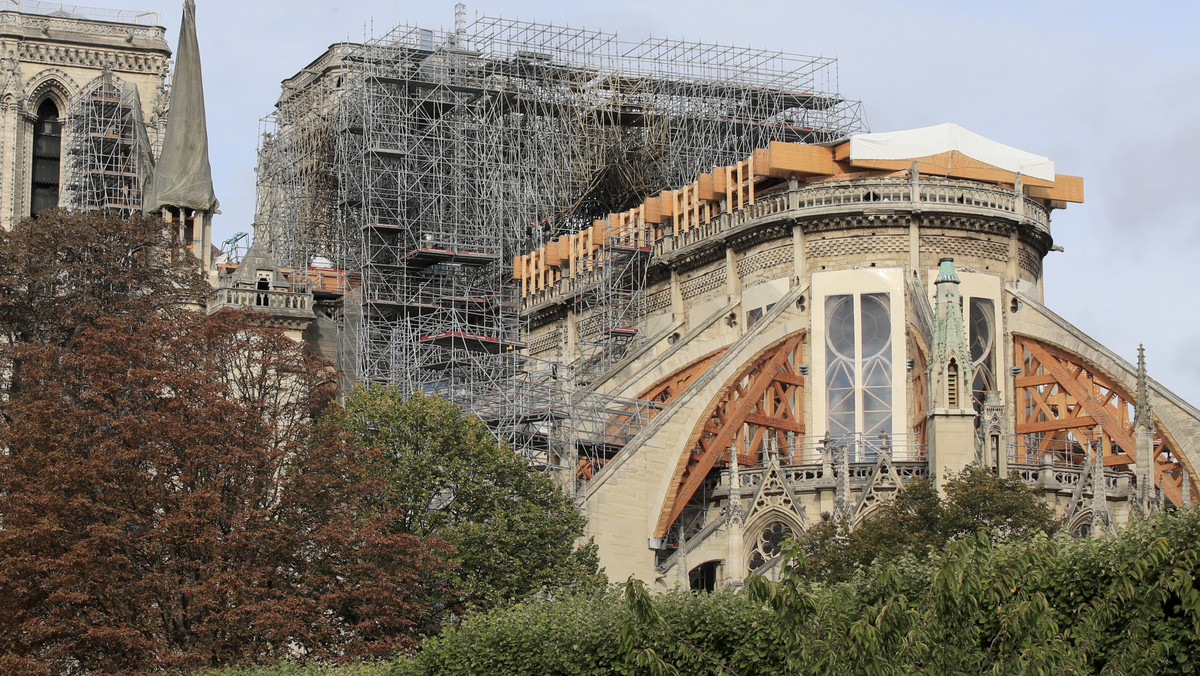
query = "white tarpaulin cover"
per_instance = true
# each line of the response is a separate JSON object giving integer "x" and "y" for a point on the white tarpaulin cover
{"x": 944, "y": 138}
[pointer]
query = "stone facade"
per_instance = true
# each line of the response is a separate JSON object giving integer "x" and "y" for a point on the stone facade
{"x": 53, "y": 57}
{"x": 809, "y": 319}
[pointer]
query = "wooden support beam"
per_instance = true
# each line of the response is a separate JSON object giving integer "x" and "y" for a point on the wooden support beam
{"x": 706, "y": 189}
{"x": 737, "y": 405}
{"x": 1056, "y": 425}
{"x": 653, "y": 210}
{"x": 1083, "y": 394}
{"x": 785, "y": 159}
{"x": 1065, "y": 189}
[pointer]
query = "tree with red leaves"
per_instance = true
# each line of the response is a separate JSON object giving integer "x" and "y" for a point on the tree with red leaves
{"x": 166, "y": 501}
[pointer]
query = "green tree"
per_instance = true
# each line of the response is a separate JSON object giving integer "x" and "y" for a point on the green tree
{"x": 513, "y": 531}
{"x": 919, "y": 521}
{"x": 1124, "y": 604}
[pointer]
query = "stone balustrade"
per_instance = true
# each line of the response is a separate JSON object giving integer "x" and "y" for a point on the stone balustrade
{"x": 255, "y": 298}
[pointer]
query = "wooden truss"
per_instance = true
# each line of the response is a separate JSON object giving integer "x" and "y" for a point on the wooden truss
{"x": 660, "y": 393}
{"x": 919, "y": 378}
{"x": 1063, "y": 404}
{"x": 765, "y": 399}
{"x": 670, "y": 387}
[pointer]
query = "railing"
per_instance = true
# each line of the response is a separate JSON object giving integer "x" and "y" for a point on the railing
{"x": 255, "y": 298}
{"x": 56, "y": 10}
{"x": 1032, "y": 451}
{"x": 879, "y": 193}
{"x": 798, "y": 449}
{"x": 868, "y": 448}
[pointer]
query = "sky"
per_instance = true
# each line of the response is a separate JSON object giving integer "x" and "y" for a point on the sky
{"x": 1109, "y": 90}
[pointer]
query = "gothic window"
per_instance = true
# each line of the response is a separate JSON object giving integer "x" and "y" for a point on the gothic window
{"x": 876, "y": 364}
{"x": 858, "y": 368}
{"x": 983, "y": 358}
{"x": 769, "y": 545}
{"x": 840, "y": 365}
{"x": 47, "y": 152}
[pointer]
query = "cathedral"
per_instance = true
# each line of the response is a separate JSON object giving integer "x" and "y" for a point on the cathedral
{"x": 823, "y": 324}
{"x": 713, "y": 307}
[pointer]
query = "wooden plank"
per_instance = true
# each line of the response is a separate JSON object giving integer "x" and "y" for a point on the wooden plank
{"x": 653, "y": 210}
{"x": 720, "y": 181}
{"x": 952, "y": 165}
{"x": 762, "y": 163}
{"x": 1056, "y": 425}
{"x": 1034, "y": 380}
{"x": 706, "y": 188}
{"x": 668, "y": 203}
{"x": 784, "y": 159}
{"x": 775, "y": 423}
{"x": 1065, "y": 189}
{"x": 554, "y": 253}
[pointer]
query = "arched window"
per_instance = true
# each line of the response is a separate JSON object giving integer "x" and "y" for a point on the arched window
{"x": 47, "y": 153}
{"x": 858, "y": 364}
{"x": 952, "y": 384}
{"x": 769, "y": 545}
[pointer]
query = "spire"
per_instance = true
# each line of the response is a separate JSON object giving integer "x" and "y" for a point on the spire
{"x": 1143, "y": 433}
{"x": 1141, "y": 414}
{"x": 1100, "y": 516}
{"x": 183, "y": 177}
{"x": 950, "y": 360}
{"x": 946, "y": 272}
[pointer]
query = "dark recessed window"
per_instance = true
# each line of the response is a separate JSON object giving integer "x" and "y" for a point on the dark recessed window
{"x": 47, "y": 153}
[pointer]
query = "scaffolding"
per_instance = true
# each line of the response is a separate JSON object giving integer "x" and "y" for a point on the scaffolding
{"x": 110, "y": 148}
{"x": 425, "y": 160}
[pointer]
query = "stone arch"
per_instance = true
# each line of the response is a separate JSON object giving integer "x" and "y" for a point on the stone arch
{"x": 1080, "y": 525}
{"x": 666, "y": 389}
{"x": 762, "y": 402}
{"x": 659, "y": 395}
{"x": 52, "y": 83}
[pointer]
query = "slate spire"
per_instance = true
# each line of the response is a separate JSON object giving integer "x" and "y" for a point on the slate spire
{"x": 183, "y": 176}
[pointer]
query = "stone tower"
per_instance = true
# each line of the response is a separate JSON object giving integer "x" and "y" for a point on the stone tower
{"x": 951, "y": 416}
{"x": 47, "y": 63}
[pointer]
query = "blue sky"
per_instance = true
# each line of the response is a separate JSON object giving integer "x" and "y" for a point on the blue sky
{"x": 1110, "y": 91}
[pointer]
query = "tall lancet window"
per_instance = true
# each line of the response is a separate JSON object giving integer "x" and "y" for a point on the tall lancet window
{"x": 47, "y": 152}
{"x": 983, "y": 354}
{"x": 841, "y": 365}
{"x": 858, "y": 364}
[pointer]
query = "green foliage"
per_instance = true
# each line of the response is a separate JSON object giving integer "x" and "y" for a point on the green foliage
{"x": 919, "y": 521}
{"x": 604, "y": 633}
{"x": 1117, "y": 605}
{"x": 513, "y": 530}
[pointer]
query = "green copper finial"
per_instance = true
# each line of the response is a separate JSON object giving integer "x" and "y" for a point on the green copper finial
{"x": 946, "y": 271}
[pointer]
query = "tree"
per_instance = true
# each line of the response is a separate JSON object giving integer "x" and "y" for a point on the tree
{"x": 166, "y": 502}
{"x": 513, "y": 531}
{"x": 61, "y": 272}
{"x": 1123, "y": 604}
{"x": 919, "y": 521}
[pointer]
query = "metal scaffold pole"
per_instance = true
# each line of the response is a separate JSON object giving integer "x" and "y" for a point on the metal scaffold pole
{"x": 422, "y": 161}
